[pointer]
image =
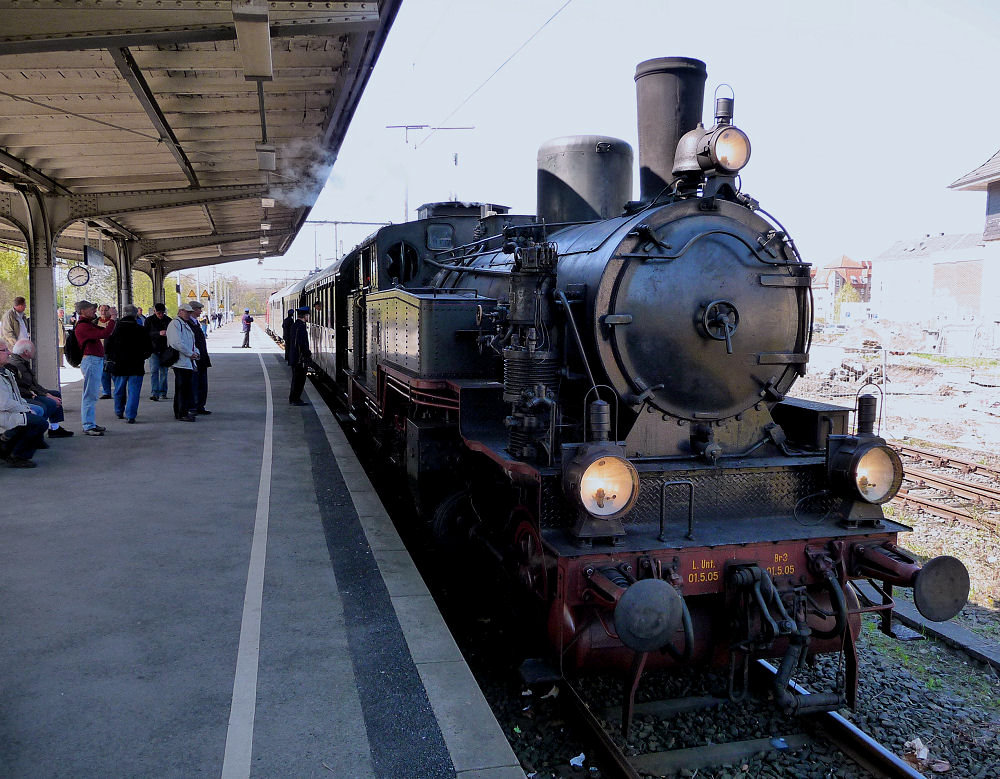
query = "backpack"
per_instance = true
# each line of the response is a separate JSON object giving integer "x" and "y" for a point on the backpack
{"x": 72, "y": 349}
{"x": 168, "y": 357}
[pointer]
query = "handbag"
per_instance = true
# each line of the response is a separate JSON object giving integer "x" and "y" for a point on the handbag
{"x": 168, "y": 357}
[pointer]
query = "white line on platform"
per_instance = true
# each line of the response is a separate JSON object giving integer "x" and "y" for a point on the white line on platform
{"x": 239, "y": 737}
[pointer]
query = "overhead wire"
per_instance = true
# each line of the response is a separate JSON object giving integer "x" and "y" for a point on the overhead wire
{"x": 489, "y": 78}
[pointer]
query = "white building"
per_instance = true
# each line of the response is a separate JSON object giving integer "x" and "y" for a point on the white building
{"x": 943, "y": 284}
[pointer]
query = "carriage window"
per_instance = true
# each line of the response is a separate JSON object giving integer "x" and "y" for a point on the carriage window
{"x": 401, "y": 262}
{"x": 440, "y": 236}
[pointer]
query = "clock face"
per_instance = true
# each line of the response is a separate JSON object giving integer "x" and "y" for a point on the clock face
{"x": 78, "y": 275}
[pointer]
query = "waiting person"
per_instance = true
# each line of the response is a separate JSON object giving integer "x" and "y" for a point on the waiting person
{"x": 203, "y": 323}
{"x": 247, "y": 320}
{"x": 200, "y": 377}
{"x": 181, "y": 337}
{"x": 139, "y": 318}
{"x": 14, "y": 325}
{"x": 21, "y": 431}
{"x": 89, "y": 335}
{"x": 33, "y": 392}
{"x": 286, "y": 331}
{"x": 126, "y": 350}
{"x": 104, "y": 316}
{"x": 299, "y": 356}
{"x": 156, "y": 327}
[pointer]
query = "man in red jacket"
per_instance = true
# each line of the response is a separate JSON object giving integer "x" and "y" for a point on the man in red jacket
{"x": 89, "y": 334}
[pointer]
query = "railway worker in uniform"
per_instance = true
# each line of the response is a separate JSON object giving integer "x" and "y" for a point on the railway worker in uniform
{"x": 286, "y": 330}
{"x": 181, "y": 337}
{"x": 127, "y": 349}
{"x": 89, "y": 335}
{"x": 35, "y": 393}
{"x": 14, "y": 326}
{"x": 204, "y": 362}
{"x": 299, "y": 356}
{"x": 156, "y": 327}
{"x": 247, "y": 319}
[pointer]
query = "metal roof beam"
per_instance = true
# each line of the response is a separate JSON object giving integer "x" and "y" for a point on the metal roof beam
{"x": 134, "y": 78}
{"x": 87, "y": 28}
{"x": 30, "y": 175}
{"x": 164, "y": 245}
{"x": 69, "y": 208}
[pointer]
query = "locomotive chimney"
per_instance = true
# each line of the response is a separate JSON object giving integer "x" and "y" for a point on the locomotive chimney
{"x": 669, "y": 94}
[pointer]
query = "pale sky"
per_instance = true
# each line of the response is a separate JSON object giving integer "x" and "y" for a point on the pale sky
{"x": 859, "y": 113}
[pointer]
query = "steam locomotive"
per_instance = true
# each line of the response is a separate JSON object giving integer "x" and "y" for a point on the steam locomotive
{"x": 597, "y": 394}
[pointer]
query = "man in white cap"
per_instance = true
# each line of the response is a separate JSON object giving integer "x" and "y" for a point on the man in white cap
{"x": 180, "y": 337}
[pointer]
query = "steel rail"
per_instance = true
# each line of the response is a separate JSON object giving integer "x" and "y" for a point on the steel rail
{"x": 939, "y": 509}
{"x": 942, "y": 460}
{"x": 854, "y": 742}
{"x": 831, "y": 726}
{"x": 610, "y": 754}
{"x": 982, "y": 494}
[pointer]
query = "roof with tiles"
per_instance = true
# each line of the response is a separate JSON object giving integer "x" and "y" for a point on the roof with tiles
{"x": 964, "y": 246}
{"x": 980, "y": 178}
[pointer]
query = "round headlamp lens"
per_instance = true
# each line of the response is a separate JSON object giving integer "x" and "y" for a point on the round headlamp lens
{"x": 730, "y": 150}
{"x": 608, "y": 486}
{"x": 878, "y": 473}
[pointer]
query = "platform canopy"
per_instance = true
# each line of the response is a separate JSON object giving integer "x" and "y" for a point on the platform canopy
{"x": 184, "y": 132}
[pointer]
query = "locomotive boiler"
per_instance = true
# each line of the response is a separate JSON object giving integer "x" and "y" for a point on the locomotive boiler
{"x": 598, "y": 395}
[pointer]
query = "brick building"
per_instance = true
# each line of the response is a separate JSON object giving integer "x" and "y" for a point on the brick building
{"x": 830, "y": 280}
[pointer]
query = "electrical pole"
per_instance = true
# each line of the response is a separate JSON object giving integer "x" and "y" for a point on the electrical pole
{"x": 406, "y": 139}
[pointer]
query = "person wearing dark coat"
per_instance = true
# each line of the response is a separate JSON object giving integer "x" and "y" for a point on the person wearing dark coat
{"x": 202, "y": 364}
{"x": 126, "y": 350}
{"x": 247, "y": 320}
{"x": 156, "y": 326}
{"x": 286, "y": 330}
{"x": 299, "y": 356}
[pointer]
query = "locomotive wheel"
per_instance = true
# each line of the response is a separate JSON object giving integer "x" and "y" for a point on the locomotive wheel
{"x": 452, "y": 519}
{"x": 529, "y": 555}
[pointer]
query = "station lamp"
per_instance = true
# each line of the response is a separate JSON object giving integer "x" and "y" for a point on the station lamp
{"x": 266, "y": 157}
{"x": 253, "y": 38}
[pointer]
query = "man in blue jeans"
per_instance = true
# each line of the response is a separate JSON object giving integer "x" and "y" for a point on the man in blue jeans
{"x": 156, "y": 326}
{"x": 49, "y": 401}
{"x": 126, "y": 349}
{"x": 89, "y": 334}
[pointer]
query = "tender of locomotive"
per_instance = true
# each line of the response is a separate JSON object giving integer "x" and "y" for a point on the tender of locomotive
{"x": 598, "y": 395}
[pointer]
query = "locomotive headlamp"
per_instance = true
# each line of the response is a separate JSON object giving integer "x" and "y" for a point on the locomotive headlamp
{"x": 603, "y": 481}
{"x": 729, "y": 149}
{"x": 868, "y": 468}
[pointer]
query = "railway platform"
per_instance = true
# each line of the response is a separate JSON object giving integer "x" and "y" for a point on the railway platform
{"x": 225, "y": 597}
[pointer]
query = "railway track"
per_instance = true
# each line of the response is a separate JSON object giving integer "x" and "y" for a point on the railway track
{"x": 947, "y": 461}
{"x": 830, "y": 727}
{"x": 985, "y": 497}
